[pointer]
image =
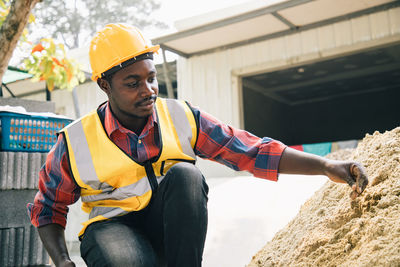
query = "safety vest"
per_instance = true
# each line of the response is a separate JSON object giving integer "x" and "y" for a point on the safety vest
{"x": 112, "y": 183}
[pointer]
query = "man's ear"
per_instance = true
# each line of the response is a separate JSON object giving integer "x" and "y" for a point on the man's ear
{"x": 104, "y": 85}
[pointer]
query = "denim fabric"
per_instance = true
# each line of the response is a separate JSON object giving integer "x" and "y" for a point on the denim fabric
{"x": 170, "y": 231}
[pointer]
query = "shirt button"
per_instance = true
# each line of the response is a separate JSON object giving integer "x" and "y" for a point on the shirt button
{"x": 140, "y": 141}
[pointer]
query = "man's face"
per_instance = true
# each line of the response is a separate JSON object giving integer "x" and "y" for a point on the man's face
{"x": 131, "y": 89}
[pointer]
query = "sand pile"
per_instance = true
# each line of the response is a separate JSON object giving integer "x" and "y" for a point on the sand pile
{"x": 332, "y": 230}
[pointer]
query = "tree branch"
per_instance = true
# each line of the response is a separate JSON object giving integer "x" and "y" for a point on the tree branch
{"x": 12, "y": 28}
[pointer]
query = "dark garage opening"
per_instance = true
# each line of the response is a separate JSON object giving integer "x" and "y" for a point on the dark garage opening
{"x": 333, "y": 100}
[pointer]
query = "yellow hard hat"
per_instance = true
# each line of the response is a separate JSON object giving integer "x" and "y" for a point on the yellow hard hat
{"x": 115, "y": 45}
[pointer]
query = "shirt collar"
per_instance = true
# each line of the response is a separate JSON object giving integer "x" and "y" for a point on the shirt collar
{"x": 111, "y": 123}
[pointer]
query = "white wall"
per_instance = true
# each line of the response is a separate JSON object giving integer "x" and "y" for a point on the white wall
{"x": 89, "y": 97}
{"x": 212, "y": 81}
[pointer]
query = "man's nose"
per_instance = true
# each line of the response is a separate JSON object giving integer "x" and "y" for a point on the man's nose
{"x": 147, "y": 89}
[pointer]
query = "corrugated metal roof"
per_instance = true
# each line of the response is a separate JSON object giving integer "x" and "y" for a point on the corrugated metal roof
{"x": 267, "y": 22}
{"x": 14, "y": 74}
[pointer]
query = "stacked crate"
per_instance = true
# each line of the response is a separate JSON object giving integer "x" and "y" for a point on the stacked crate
{"x": 24, "y": 143}
{"x": 19, "y": 241}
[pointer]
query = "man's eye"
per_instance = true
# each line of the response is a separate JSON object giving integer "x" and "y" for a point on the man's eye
{"x": 152, "y": 79}
{"x": 133, "y": 85}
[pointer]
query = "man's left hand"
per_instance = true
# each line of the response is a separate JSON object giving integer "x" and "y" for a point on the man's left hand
{"x": 348, "y": 172}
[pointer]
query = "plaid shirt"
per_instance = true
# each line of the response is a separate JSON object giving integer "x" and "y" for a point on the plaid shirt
{"x": 234, "y": 148}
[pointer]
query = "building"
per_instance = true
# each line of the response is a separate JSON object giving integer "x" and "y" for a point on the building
{"x": 301, "y": 71}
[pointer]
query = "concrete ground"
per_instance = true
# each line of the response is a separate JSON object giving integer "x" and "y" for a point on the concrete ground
{"x": 244, "y": 213}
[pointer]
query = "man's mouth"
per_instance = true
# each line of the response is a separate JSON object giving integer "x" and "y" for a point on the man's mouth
{"x": 147, "y": 102}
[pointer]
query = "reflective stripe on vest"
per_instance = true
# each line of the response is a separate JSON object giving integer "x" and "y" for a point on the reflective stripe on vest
{"x": 112, "y": 184}
{"x": 182, "y": 125}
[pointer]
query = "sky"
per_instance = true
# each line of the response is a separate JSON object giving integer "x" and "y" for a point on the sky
{"x": 172, "y": 10}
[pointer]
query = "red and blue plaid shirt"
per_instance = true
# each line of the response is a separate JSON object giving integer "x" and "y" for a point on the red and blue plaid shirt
{"x": 234, "y": 148}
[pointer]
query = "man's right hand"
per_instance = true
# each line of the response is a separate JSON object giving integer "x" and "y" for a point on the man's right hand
{"x": 67, "y": 263}
{"x": 352, "y": 173}
{"x": 52, "y": 236}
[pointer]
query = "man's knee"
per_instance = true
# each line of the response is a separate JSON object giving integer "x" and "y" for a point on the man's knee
{"x": 117, "y": 256}
{"x": 185, "y": 168}
{"x": 114, "y": 244}
{"x": 187, "y": 175}
{"x": 135, "y": 259}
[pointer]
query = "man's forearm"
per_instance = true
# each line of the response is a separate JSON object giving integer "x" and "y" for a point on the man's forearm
{"x": 53, "y": 238}
{"x": 297, "y": 162}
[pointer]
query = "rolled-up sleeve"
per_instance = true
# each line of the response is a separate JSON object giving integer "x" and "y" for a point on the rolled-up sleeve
{"x": 267, "y": 159}
{"x": 237, "y": 149}
{"x": 57, "y": 189}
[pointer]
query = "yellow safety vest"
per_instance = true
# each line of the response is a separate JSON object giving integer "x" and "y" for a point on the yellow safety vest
{"x": 112, "y": 183}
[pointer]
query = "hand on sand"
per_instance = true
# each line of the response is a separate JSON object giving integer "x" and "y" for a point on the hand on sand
{"x": 351, "y": 173}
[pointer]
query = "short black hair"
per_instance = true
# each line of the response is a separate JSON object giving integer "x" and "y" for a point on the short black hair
{"x": 108, "y": 78}
{"x": 109, "y": 74}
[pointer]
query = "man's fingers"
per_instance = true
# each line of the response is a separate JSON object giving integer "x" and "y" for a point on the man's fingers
{"x": 349, "y": 178}
{"x": 351, "y": 173}
{"x": 353, "y": 195}
{"x": 360, "y": 177}
{"x": 356, "y": 173}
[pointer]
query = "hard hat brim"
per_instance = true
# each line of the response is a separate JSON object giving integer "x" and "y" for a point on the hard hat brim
{"x": 153, "y": 49}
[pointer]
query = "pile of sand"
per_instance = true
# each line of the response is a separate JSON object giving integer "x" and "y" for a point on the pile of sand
{"x": 332, "y": 230}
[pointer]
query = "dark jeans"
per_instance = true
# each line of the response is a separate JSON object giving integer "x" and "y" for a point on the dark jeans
{"x": 169, "y": 232}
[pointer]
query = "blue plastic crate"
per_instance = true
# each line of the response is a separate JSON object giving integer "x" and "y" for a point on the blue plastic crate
{"x": 29, "y": 133}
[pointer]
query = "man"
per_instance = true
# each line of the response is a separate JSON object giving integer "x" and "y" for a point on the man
{"x": 132, "y": 163}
